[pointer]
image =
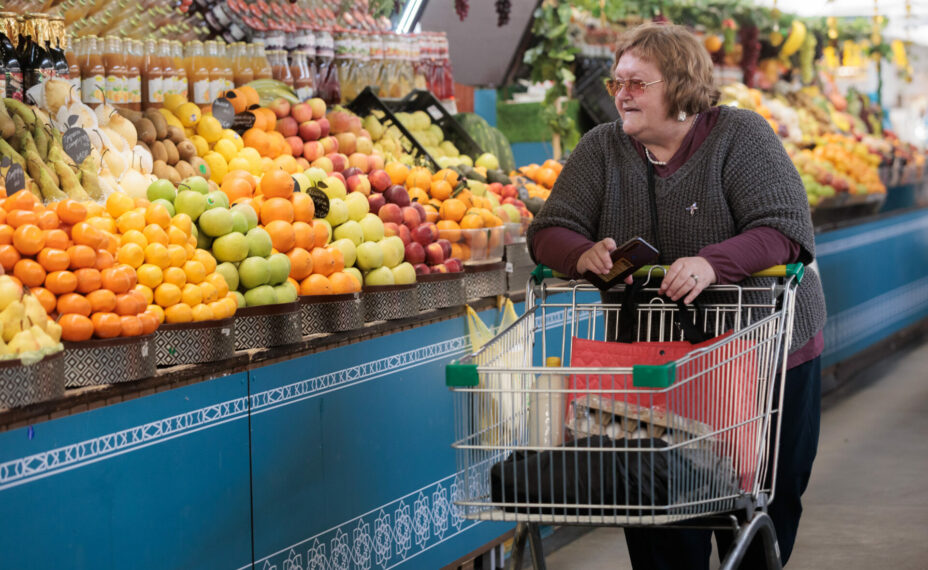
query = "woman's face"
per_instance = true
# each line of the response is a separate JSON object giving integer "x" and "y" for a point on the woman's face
{"x": 643, "y": 112}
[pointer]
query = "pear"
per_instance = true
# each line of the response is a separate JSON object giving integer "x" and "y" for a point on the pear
{"x": 53, "y": 329}
{"x": 10, "y": 291}
{"x": 41, "y": 337}
{"x": 4, "y": 348}
{"x": 124, "y": 127}
{"x": 35, "y": 312}
{"x": 23, "y": 342}
{"x": 12, "y": 319}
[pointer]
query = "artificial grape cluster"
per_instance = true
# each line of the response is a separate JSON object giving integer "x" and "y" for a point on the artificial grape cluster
{"x": 461, "y": 7}
{"x": 503, "y": 8}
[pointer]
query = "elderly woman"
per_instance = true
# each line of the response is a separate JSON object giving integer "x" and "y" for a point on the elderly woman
{"x": 727, "y": 202}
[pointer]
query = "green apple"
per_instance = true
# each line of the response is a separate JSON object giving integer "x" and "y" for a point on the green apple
{"x": 239, "y": 222}
{"x": 240, "y": 299}
{"x": 372, "y": 227}
{"x": 196, "y": 184}
{"x": 259, "y": 242}
{"x": 404, "y": 274}
{"x": 370, "y": 255}
{"x": 278, "y": 266}
{"x": 487, "y": 160}
{"x": 514, "y": 216}
{"x": 349, "y": 251}
{"x": 356, "y": 273}
{"x": 204, "y": 241}
{"x": 230, "y": 273}
{"x": 261, "y": 295}
{"x": 231, "y": 247}
{"x": 477, "y": 188}
{"x": 168, "y": 204}
{"x": 466, "y": 160}
{"x": 215, "y": 222}
{"x": 303, "y": 180}
{"x": 392, "y": 253}
{"x": 254, "y": 272}
{"x": 358, "y": 206}
{"x": 315, "y": 174}
{"x": 379, "y": 276}
{"x": 286, "y": 292}
{"x": 334, "y": 188}
{"x": 161, "y": 189}
{"x": 217, "y": 199}
{"x": 191, "y": 203}
{"x": 250, "y": 215}
{"x": 338, "y": 212}
{"x": 349, "y": 230}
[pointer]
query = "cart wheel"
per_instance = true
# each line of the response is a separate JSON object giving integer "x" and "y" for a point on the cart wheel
{"x": 759, "y": 524}
{"x": 532, "y": 532}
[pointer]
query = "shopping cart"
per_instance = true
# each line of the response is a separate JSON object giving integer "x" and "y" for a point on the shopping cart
{"x": 543, "y": 440}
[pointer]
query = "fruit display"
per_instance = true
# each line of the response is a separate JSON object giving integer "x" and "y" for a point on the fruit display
{"x": 27, "y": 333}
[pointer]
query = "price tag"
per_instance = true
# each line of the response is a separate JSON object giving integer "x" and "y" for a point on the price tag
{"x": 508, "y": 267}
{"x": 75, "y": 141}
{"x": 15, "y": 179}
{"x": 144, "y": 350}
{"x": 223, "y": 111}
{"x": 320, "y": 201}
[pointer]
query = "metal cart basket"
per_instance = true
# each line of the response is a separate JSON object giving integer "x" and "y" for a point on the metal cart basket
{"x": 545, "y": 434}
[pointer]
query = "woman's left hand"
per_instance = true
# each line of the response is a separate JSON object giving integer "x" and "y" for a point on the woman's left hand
{"x": 687, "y": 276}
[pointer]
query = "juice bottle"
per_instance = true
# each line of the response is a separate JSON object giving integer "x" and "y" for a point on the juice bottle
{"x": 420, "y": 63}
{"x": 153, "y": 75}
{"x": 38, "y": 67}
{"x": 215, "y": 70}
{"x": 244, "y": 71}
{"x": 304, "y": 82}
{"x": 177, "y": 57}
{"x": 261, "y": 65}
{"x": 228, "y": 72}
{"x": 93, "y": 72}
{"x": 198, "y": 74}
{"x": 133, "y": 74}
{"x": 12, "y": 69}
{"x": 279, "y": 67}
{"x": 72, "y": 53}
{"x": 114, "y": 59}
{"x": 171, "y": 79}
{"x": 55, "y": 37}
{"x": 327, "y": 85}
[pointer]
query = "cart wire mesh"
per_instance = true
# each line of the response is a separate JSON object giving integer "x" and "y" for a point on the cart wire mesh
{"x": 603, "y": 441}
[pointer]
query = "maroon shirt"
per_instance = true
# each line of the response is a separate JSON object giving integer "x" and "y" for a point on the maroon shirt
{"x": 732, "y": 260}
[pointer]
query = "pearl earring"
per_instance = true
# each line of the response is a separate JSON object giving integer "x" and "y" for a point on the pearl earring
{"x": 682, "y": 116}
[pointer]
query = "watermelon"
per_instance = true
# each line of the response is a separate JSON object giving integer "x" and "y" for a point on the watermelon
{"x": 488, "y": 138}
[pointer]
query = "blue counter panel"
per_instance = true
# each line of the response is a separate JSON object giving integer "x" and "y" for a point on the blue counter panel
{"x": 875, "y": 278}
{"x": 152, "y": 483}
{"x": 352, "y": 459}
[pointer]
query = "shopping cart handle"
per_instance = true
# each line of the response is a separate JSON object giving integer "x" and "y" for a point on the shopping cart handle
{"x": 796, "y": 270}
{"x": 542, "y": 272}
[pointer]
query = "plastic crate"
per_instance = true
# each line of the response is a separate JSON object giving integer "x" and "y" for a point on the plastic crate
{"x": 367, "y": 101}
{"x": 421, "y": 100}
{"x": 590, "y": 91}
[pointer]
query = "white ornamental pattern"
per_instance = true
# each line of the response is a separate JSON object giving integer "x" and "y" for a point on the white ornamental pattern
{"x": 384, "y": 538}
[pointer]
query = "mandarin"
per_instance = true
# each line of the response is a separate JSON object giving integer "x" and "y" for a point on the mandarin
{"x": 57, "y": 239}
{"x": 85, "y": 234}
{"x": 88, "y": 280}
{"x": 74, "y": 303}
{"x": 71, "y": 211}
{"x": 28, "y": 239}
{"x": 29, "y": 272}
{"x": 130, "y": 325}
{"x": 116, "y": 279}
{"x": 8, "y": 257}
{"x": 277, "y": 209}
{"x": 6, "y": 234}
{"x": 106, "y": 325}
{"x": 45, "y": 297}
{"x": 22, "y": 200}
{"x": 48, "y": 220}
{"x": 282, "y": 235}
{"x": 18, "y": 218}
{"x": 104, "y": 259}
{"x": 61, "y": 282}
{"x": 316, "y": 284}
{"x": 75, "y": 328}
{"x": 301, "y": 263}
{"x": 102, "y": 301}
{"x": 53, "y": 259}
{"x": 303, "y": 207}
{"x": 149, "y": 322}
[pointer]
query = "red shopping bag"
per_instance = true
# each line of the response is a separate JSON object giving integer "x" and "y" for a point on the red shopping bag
{"x": 717, "y": 388}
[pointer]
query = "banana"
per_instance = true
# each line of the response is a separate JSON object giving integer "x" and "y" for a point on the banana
{"x": 797, "y": 36}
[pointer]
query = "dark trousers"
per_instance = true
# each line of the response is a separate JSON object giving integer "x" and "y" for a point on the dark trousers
{"x": 683, "y": 549}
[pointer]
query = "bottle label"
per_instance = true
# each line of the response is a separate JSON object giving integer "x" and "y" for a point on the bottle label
{"x": 35, "y": 77}
{"x": 14, "y": 85}
{"x": 156, "y": 90}
{"x": 114, "y": 89}
{"x": 216, "y": 88}
{"x": 92, "y": 89}
{"x": 167, "y": 86}
{"x": 304, "y": 93}
{"x": 201, "y": 92}
{"x": 181, "y": 85}
{"x": 134, "y": 86}
{"x": 3, "y": 84}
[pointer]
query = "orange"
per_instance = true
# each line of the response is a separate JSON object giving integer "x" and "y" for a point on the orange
{"x": 131, "y": 220}
{"x": 276, "y": 184}
{"x": 276, "y": 209}
{"x": 57, "y": 239}
{"x": 167, "y": 294}
{"x": 116, "y": 279}
{"x": 321, "y": 232}
{"x": 118, "y": 204}
{"x": 154, "y": 233}
{"x": 8, "y": 257}
{"x": 440, "y": 189}
{"x": 257, "y": 139}
{"x": 286, "y": 162}
{"x": 397, "y": 171}
{"x": 323, "y": 261}
{"x": 282, "y": 235}
{"x": 471, "y": 221}
{"x": 316, "y": 284}
{"x": 303, "y": 235}
{"x": 419, "y": 178}
{"x": 131, "y": 254}
{"x": 54, "y": 259}
{"x": 176, "y": 236}
{"x": 208, "y": 291}
{"x": 158, "y": 214}
{"x": 88, "y": 280}
{"x": 133, "y": 236}
{"x": 448, "y": 175}
{"x": 46, "y": 297}
{"x": 219, "y": 284}
{"x": 344, "y": 283}
{"x": 48, "y": 220}
{"x": 74, "y": 303}
{"x": 191, "y": 294}
{"x": 130, "y": 303}
{"x": 146, "y": 294}
{"x": 104, "y": 259}
{"x": 546, "y": 177}
{"x": 452, "y": 209}
{"x": 183, "y": 222}
{"x": 195, "y": 272}
{"x": 301, "y": 263}
{"x": 157, "y": 254}
{"x": 22, "y": 200}
{"x": 102, "y": 301}
{"x": 157, "y": 311}
{"x": 61, "y": 282}
{"x": 106, "y": 325}
{"x": 6, "y": 234}
{"x": 250, "y": 94}
{"x": 29, "y": 272}
{"x": 202, "y": 312}
{"x": 177, "y": 254}
{"x": 175, "y": 275}
{"x": 85, "y": 234}
{"x": 28, "y": 239}
{"x": 338, "y": 258}
{"x": 555, "y": 165}
{"x": 75, "y": 328}
{"x": 18, "y": 218}
{"x": 449, "y": 230}
{"x": 179, "y": 313}
{"x": 71, "y": 211}
{"x": 303, "y": 207}
{"x": 206, "y": 258}
{"x": 236, "y": 187}
{"x": 130, "y": 325}
{"x": 431, "y": 213}
{"x": 237, "y": 98}
{"x": 149, "y": 322}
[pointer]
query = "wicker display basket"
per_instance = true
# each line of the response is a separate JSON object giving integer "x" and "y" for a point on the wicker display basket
{"x": 331, "y": 313}
{"x": 109, "y": 361}
{"x": 23, "y": 385}
{"x": 195, "y": 343}
{"x": 267, "y": 325}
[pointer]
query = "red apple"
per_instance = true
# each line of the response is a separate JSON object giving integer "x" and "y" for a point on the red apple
{"x": 421, "y": 209}
{"x": 310, "y": 131}
{"x": 303, "y": 163}
{"x": 351, "y": 171}
{"x": 445, "y": 246}
{"x": 324, "y": 163}
{"x": 339, "y": 161}
{"x": 330, "y": 144}
{"x": 296, "y": 145}
{"x": 341, "y": 178}
{"x": 324, "y": 125}
{"x": 360, "y": 161}
{"x": 510, "y": 191}
{"x": 421, "y": 269}
{"x": 359, "y": 183}
{"x": 354, "y": 125}
{"x": 415, "y": 253}
{"x": 391, "y": 213}
{"x": 313, "y": 150}
{"x": 426, "y": 233}
{"x": 281, "y": 107}
{"x": 288, "y": 127}
{"x": 318, "y": 107}
{"x": 411, "y": 217}
{"x": 380, "y": 180}
{"x": 495, "y": 187}
{"x": 390, "y": 228}
{"x": 454, "y": 265}
{"x": 376, "y": 201}
{"x": 376, "y": 161}
{"x": 404, "y": 234}
{"x": 301, "y": 112}
{"x": 439, "y": 268}
{"x": 347, "y": 142}
{"x": 397, "y": 194}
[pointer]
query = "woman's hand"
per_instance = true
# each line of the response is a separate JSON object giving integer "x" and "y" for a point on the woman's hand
{"x": 687, "y": 276}
{"x": 596, "y": 259}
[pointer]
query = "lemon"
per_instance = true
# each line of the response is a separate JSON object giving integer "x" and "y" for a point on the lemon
{"x": 226, "y": 148}
{"x": 191, "y": 294}
{"x": 157, "y": 311}
{"x": 174, "y": 100}
{"x": 170, "y": 118}
{"x": 146, "y": 292}
{"x": 189, "y": 114}
{"x": 150, "y": 275}
{"x": 240, "y": 163}
{"x": 167, "y": 294}
{"x": 209, "y": 128}
{"x": 234, "y": 137}
{"x": 189, "y": 132}
{"x": 179, "y": 313}
{"x": 202, "y": 312}
{"x": 218, "y": 166}
{"x": 200, "y": 144}
{"x": 253, "y": 158}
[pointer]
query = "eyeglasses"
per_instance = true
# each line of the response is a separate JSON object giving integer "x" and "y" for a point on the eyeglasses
{"x": 635, "y": 87}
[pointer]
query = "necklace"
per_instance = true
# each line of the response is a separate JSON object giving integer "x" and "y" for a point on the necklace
{"x": 656, "y": 162}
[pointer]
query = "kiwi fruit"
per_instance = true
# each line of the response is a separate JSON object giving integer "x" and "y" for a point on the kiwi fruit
{"x": 146, "y": 129}
{"x": 159, "y": 151}
{"x": 186, "y": 150}
{"x": 160, "y": 123}
{"x": 171, "y": 148}
{"x": 162, "y": 170}
{"x": 176, "y": 134}
{"x": 184, "y": 169}
{"x": 200, "y": 167}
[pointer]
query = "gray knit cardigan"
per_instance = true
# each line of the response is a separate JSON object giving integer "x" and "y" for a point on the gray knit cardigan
{"x": 739, "y": 178}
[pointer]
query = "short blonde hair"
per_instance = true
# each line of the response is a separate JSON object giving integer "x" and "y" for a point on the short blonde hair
{"x": 684, "y": 64}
